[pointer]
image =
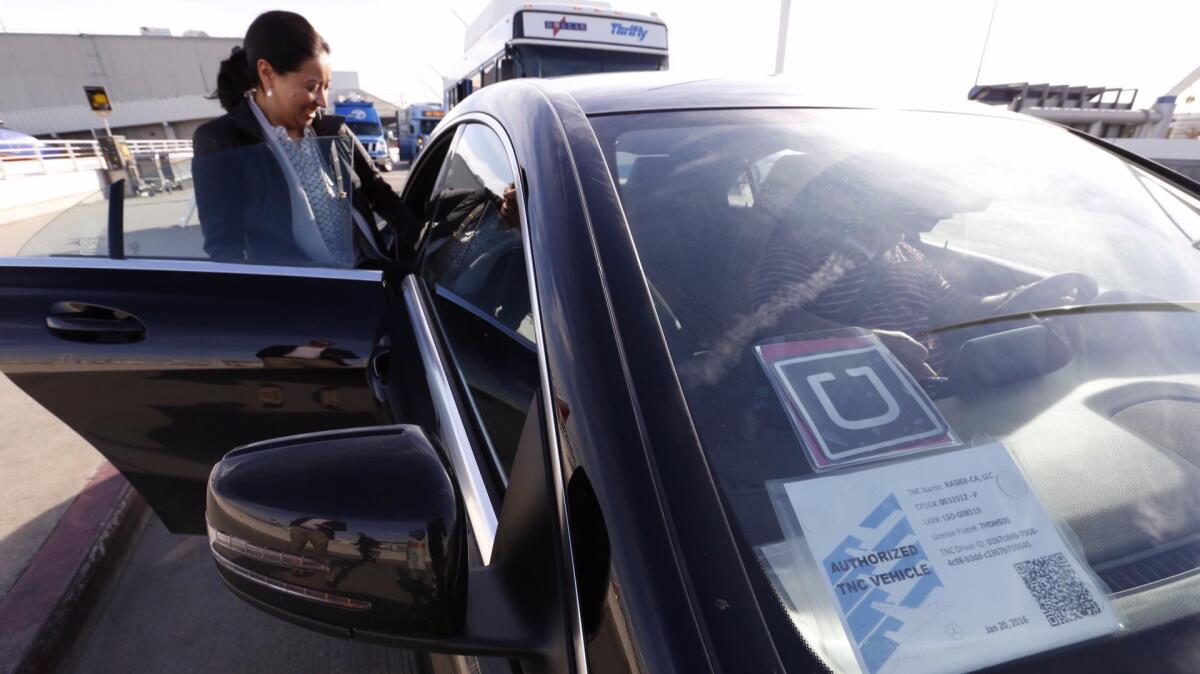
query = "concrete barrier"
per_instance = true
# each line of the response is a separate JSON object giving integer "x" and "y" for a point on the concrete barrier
{"x": 31, "y": 196}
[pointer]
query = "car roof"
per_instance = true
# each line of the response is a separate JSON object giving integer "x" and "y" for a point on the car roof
{"x": 643, "y": 91}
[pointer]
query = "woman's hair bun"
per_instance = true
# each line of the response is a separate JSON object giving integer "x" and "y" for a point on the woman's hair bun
{"x": 234, "y": 79}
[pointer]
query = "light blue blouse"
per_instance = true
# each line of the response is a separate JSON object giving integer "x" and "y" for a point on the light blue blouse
{"x": 330, "y": 205}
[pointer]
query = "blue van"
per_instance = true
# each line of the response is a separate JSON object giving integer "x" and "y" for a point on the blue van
{"x": 363, "y": 120}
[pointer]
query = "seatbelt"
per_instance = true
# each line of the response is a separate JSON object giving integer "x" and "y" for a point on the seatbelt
{"x": 365, "y": 229}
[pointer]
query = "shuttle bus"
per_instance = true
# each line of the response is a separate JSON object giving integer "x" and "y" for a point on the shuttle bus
{"x": 413, "y": 126}
{"x": 513, "y": 39}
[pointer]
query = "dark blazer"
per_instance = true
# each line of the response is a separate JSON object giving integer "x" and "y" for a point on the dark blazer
{"x": 243, "y": 200}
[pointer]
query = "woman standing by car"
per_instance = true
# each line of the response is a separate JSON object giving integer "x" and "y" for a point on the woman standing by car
{"x": 279, "y": 182}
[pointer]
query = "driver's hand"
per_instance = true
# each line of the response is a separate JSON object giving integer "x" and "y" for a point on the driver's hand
{"x": 508, "y": 207}
{"x": 911, "y": 353}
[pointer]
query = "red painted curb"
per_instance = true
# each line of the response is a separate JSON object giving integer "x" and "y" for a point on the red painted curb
{"x": 39, "y": 604}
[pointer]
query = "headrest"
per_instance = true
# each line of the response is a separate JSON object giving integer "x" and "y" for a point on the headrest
{"x": 647, "y": 175}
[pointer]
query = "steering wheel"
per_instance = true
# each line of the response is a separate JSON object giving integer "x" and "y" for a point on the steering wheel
{"x": 1049, "y": 292}
{"x": 1062, "y": 342}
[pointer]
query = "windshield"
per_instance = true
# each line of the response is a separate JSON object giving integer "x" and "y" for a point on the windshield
{"x": 540, "y": 61}
{"x": 428, "y": 125}
{"x": 859, "y": 303}
{"x": 365, "y": 128}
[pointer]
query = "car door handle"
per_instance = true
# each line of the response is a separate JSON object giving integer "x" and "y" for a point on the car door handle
{"x": 81, "y": 322}
{"x": 377, "y": 372}
{"x": 379, "y": 364}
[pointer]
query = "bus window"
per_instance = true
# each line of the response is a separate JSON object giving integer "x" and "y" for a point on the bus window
{"x": 489, "y": 75}
{"x": 542, "y": 61}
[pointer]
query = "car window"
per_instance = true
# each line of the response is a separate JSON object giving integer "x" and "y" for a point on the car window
{"x": 236, "y": 205}
{"x": 474, "y": 265}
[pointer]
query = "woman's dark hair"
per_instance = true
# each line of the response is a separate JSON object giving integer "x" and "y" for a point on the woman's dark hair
{"x": 283, "y": 39}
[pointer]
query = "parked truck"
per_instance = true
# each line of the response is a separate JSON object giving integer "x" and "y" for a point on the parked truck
{"x": 363, "y": 119}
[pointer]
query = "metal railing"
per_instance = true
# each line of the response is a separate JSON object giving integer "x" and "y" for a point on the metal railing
{"x": 172, "y": 148}
{"x": 36, "y": 157}
{"x": 40, "y": 157}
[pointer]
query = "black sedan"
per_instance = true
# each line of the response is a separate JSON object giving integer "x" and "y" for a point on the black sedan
{"x": 574, "y": 429}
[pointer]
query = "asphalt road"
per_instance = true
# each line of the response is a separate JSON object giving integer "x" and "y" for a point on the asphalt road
{"x": 164, "y": 609}
{"x": 396, "y": 178}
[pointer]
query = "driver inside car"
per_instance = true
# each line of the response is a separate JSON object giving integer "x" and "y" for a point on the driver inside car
{"x": 847, "y": 262}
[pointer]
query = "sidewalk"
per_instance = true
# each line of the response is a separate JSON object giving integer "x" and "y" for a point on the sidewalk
{"x": 44, "y": 465}
{"x": 40, "y": 605}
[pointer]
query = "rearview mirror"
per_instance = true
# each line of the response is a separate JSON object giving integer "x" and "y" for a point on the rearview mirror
{"x": 343, "y": 531}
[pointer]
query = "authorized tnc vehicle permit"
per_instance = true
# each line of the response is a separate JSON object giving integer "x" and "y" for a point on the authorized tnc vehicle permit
{"x": 945, "y": 563}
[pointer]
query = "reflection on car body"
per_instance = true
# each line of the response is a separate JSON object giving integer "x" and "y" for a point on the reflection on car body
{"x": 559, "y": 436}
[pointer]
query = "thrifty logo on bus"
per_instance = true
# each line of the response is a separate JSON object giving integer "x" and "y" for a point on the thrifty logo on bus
{"x": 563, "y": 24}
{"x": 632, "y": 30}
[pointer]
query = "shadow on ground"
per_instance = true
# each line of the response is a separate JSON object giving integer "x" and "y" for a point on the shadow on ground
{"x": 20, "y": 545}
{"x": 165, "y": 609}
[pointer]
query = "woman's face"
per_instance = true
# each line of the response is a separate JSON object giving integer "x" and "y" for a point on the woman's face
{"x": 295, "y": 96}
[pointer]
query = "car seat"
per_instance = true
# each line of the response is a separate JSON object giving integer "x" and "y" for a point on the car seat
{"x": 671, "y": 210}
{"x": 772, "y": 208}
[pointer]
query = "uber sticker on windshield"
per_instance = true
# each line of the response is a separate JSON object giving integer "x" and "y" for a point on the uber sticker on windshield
{"x": 850, "y": 400}
{"x": 943, "y": 563}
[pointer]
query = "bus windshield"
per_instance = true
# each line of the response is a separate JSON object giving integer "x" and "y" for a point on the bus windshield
{"x": 542, "y": 61}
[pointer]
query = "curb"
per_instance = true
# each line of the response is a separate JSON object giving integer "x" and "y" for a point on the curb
{"x": 39, "y": 606}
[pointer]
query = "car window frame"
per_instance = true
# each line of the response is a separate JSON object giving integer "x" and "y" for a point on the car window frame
{"x": 484, "y": 449}
{"x": 549, "y": 431}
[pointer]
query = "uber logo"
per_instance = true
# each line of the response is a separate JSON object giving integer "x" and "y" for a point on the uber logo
{"x": 852, "y": 402}
{"x": 817, "y": 382}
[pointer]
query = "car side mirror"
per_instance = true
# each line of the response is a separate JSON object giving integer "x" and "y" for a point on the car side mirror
{"x": 362, "y": 533}
{"x": 343, "y": 531}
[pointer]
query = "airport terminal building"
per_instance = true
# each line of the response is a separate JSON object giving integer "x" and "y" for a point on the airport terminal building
{"x": 158, "y": 83}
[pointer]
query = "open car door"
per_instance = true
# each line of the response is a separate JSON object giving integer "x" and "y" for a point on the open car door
{"x": 164, "y": 365}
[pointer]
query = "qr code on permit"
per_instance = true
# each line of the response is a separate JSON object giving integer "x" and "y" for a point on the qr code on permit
{"x": 1061, "y": 596}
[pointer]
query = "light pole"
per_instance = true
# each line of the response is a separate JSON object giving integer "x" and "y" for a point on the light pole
{"x": 785, "y": 7}
{"x": 986, "y": 37}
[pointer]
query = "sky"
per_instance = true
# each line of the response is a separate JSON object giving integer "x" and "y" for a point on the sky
{"x": 926, "y": 48}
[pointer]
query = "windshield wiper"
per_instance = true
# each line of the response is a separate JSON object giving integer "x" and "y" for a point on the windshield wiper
{"x": 1072, "y": 310}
